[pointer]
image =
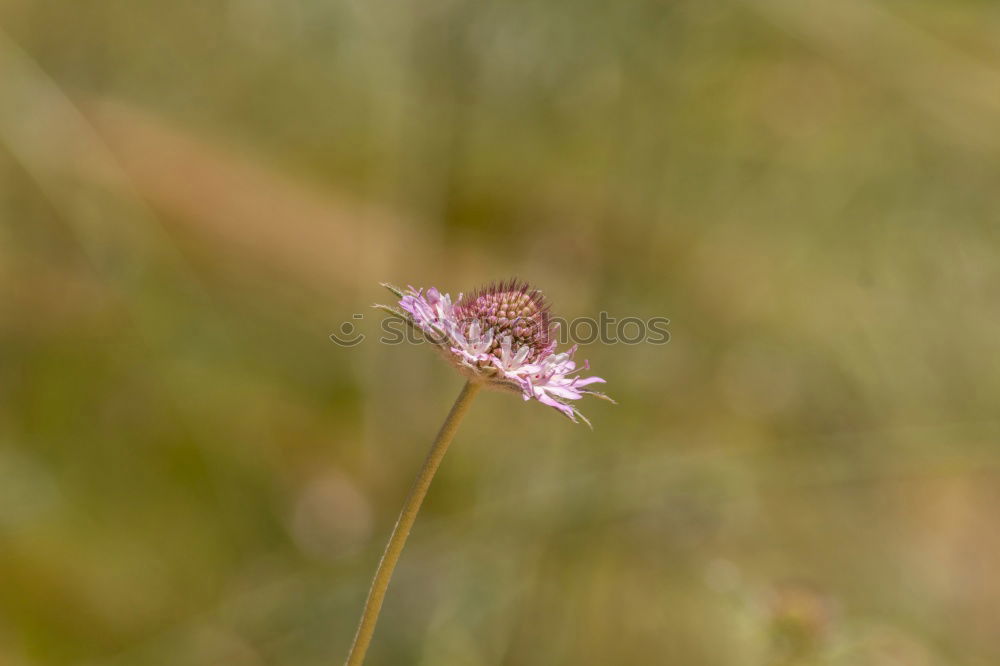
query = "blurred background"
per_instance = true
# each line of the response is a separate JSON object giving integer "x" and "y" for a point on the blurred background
{"x": 195, "y": 194}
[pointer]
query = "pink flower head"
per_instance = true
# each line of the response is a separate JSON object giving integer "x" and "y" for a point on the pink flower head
{"x": 501, "y": 335}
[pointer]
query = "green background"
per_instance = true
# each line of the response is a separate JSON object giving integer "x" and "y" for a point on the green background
{"x": 195, "y": 194}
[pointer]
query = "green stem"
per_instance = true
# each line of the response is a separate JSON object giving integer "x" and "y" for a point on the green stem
{"x": 405, "y": 522}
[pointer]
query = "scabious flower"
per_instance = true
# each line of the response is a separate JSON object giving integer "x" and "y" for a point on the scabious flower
{"x": 501, "y": 335}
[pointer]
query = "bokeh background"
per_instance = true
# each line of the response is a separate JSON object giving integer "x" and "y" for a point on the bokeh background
{"x": 194, "y": 194}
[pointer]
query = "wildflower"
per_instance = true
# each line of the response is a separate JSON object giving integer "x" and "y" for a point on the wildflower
{"x": 501, "y": 336}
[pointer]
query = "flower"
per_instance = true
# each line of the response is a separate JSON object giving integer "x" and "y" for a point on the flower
{"x": 501, "y": 335}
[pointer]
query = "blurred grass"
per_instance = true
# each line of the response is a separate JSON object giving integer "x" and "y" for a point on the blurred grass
{"x": 195, "y": 194}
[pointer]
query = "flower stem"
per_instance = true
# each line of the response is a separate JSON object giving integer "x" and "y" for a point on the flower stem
{"x": 404, "y": 523}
